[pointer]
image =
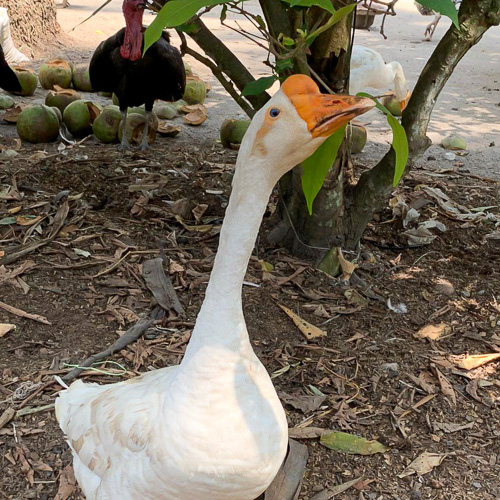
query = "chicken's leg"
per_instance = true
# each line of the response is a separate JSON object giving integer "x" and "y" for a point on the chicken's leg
{"x": 145, "y": 137}
{"x": 431, "y": 28}
{"x": 124, "y": 144}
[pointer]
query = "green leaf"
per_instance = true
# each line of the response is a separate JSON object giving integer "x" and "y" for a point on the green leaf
{"x": 223, "y": 13}
{"x": 399, "y": 140}
{"x": 261, "y": 22}
{"x": 336, "y": 17}
{"x": 317, "y": 165}
{"x": 282, "y": 65}
{"x": 350, "y": 444}
{"x": 258, "y": 86}
{"x": 173, "y": 14}
{"x": 325, "y": 4}
{"x": 445, "y": 7}
{"x": 400, "y": 145}
{"x": 288, "y": 42}
{"x": 7, "y": 221}
{"x": 188, "y": 28}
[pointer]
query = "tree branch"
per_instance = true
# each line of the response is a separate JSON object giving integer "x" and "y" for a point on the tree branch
{"x": 226, "y": 61}
{"x": 375, "y": 185}
{"x": 242, "y": 103}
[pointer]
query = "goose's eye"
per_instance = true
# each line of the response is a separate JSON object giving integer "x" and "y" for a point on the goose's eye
{"x": 274, "y": 112}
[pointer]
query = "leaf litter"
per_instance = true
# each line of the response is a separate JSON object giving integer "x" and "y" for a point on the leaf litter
{"x": 86, "y": 209}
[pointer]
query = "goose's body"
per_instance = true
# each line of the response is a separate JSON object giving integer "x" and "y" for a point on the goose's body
{"x": 368, "y": 70}
{"x": 213, "y": 427}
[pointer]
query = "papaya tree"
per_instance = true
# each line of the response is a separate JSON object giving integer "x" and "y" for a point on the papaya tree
{"x": 323, "y": 206}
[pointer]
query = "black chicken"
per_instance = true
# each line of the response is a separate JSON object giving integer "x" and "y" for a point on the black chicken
{"x": 8, "y": 77}
{"x": 118, "y": 66}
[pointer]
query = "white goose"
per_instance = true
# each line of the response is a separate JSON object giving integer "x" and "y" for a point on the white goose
{"x": 368, "y": 70}
{"x": 213, "y": 427}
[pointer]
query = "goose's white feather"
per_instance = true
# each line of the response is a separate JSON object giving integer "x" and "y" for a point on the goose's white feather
{"x": 213, "y": 427}
{"x": 369, "y": 71}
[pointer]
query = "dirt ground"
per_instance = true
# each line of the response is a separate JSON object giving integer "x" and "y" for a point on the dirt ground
{"x": 378, "y": 379}
{"x": 78, "y": 222}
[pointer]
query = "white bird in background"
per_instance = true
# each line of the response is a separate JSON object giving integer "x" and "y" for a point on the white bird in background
{"x": 368, "y": 70}
{"x": 431, "y": 28}
{"x": 213, "y": 427}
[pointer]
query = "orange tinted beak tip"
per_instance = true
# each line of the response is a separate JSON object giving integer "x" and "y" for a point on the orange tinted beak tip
{"x": 324, "y": 114}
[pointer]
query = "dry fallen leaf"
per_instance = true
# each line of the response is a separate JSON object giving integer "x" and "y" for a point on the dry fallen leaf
{"x": 6, "y": 328}
{"x": 472, "y": 361}
{"x": 347, "y": 267}
{"x": 472, "y": 389}
{"x": 306, "y": 432}
{"x": 445, "y": 287}
{"x": 202, "y": 228}
{"x": 423, "y": 464}
{"x": 449, "y": 427}
{"x": 7, "y": 416}
{"x": 433, "y": 332}
{"x": 446, "y": 387}
{"x": 67, "y": 484}
{"x": 303, "y": 403}
{"x": 309, "y": 331}
{"x": 336, "y": 490}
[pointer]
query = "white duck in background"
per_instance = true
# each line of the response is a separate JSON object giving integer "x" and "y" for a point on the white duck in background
{"x": 368, "y": 70}
{"x": 211, "y": 428}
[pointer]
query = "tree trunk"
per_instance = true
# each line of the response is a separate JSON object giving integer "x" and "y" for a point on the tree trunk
{"x": 32, "y": 21}
{"x": 312, "y": 236}
{"x": 374, "y": 186}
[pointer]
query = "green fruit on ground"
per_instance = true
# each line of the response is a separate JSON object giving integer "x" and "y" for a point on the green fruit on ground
{"x": 196, "y": 91}
{"x": 454, "y": 142}
{"x": 38, "y": 124}
{"x": 58, "y": 113}
{"x": 179, "y": 104}
{"x": 27, "y": 79}
{"x": 392, "y": 105}
{"x": 232, "y": 132}
{"x": 358, "y": 137}
{"x": 55, "y": 73}
{"x": 115, "y": 99}
{"x": 6, "y": 102}
{"x": 79, "y": 117}
{"x": 106, "y": 125}
{"x": 165, "y": 111}
{"x": 135, "y": 129}
{"x": 62, "y": 98}
{"x": 81, "y": 78}
{"x": 139, "y": 110}
{"x": 106, "y": 94}
{"x": 187, "y": 67}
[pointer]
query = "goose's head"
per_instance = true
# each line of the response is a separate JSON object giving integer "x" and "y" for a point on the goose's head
{"x": 295, "y": 122}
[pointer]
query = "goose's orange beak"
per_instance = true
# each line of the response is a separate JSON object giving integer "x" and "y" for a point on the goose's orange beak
{"x": 323, "y": 113}
{"x": 404, "y": 102}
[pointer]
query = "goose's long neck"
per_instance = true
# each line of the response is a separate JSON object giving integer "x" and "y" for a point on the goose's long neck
{"x": 398, "y": 76}
{"x": 220, "y": 321}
